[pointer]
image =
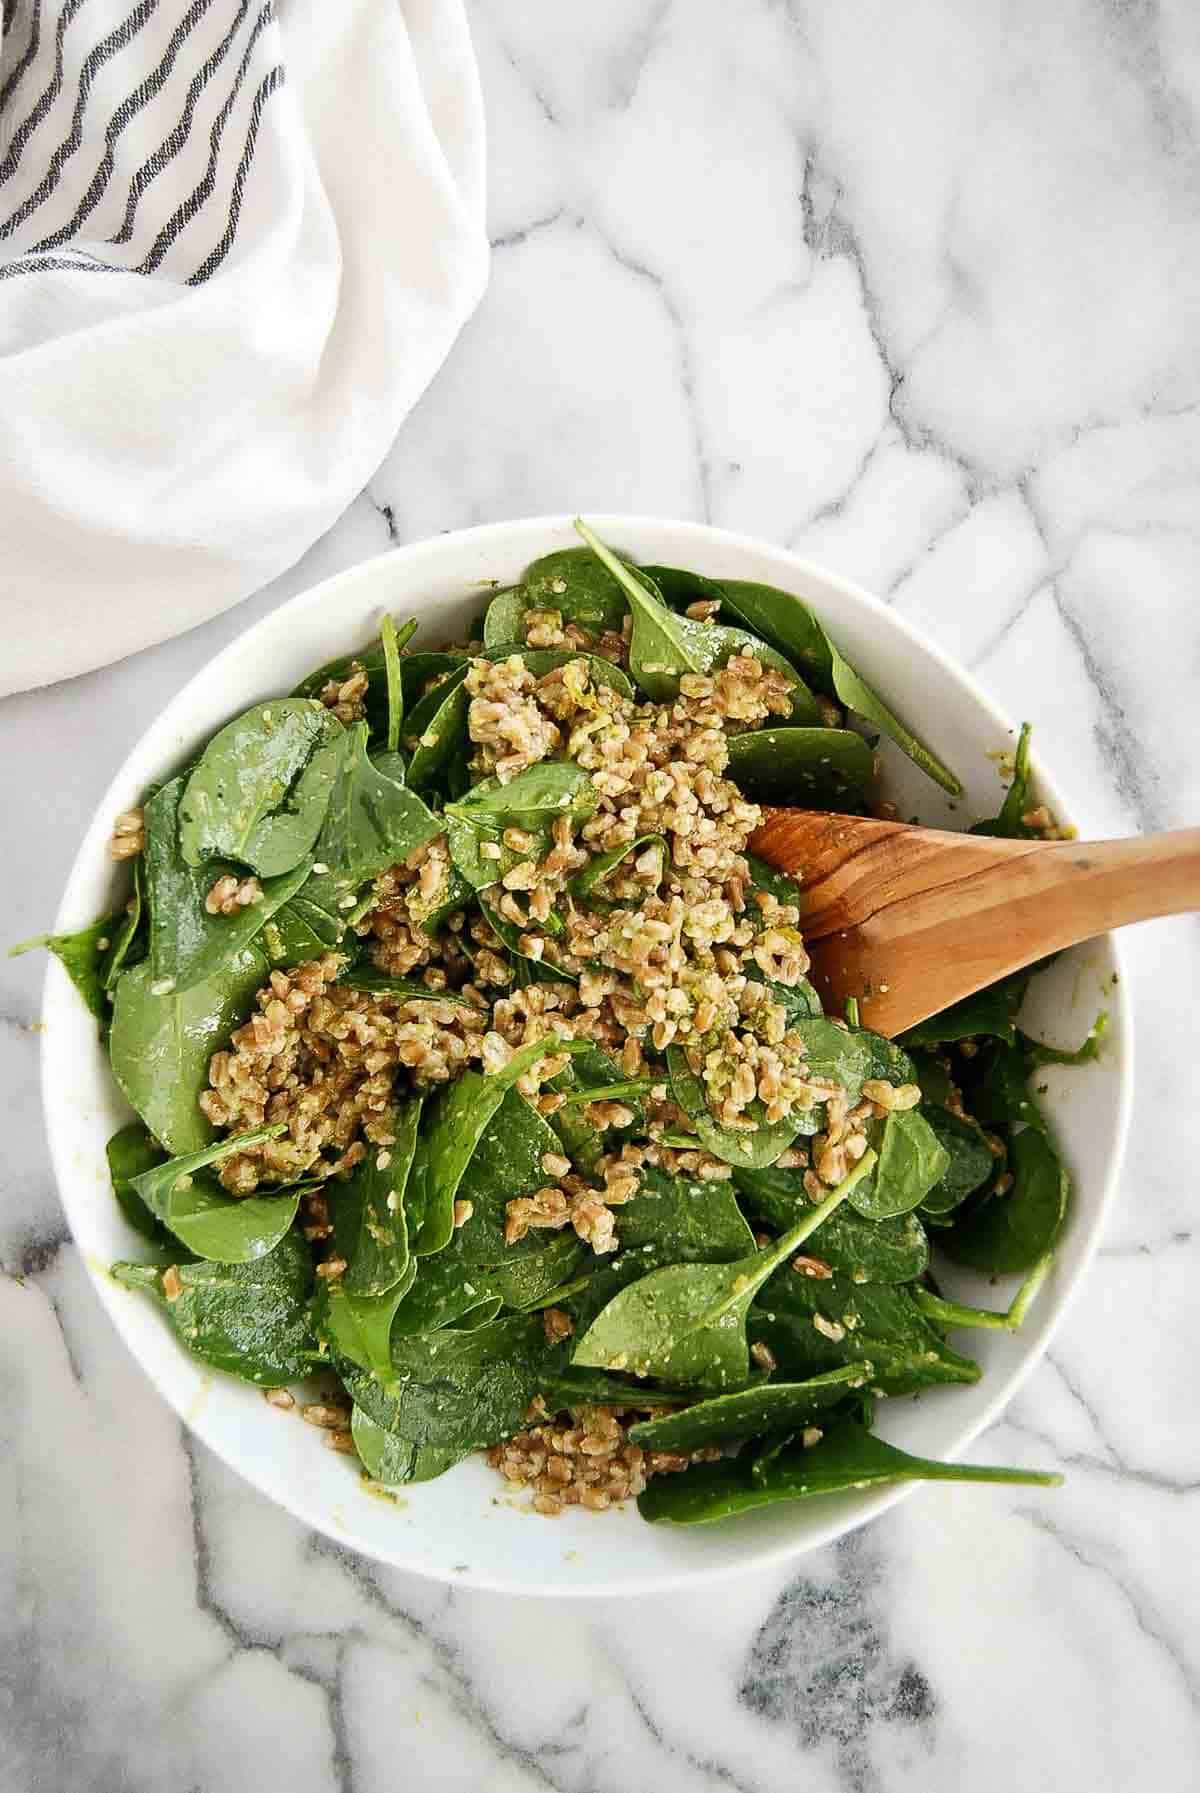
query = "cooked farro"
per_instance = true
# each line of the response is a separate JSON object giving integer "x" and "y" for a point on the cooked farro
{"x": 499, "y": 1091}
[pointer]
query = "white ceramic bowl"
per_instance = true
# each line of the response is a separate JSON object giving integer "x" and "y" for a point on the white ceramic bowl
{"x": 465, "y": 1527}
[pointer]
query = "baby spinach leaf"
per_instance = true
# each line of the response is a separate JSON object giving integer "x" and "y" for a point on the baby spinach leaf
{"x": 847, "y": 1457}
{"x": 539, "y": 794}
{"x": 392, "y": 1462}
{"x": 421, "y": 707}
{"x": 665, "y": 646}
{"x": 970, "y": 1161}
{"x": 159, "y": 1046}
{"x": 130, "y": 1152}
{"x": 454, "y": 1126}
{"x": 778, "y": 884}
{"x": 504, "y": 620}
{"x": 506, "y": 1162}
{"x": 912, "y": 1161}
{"x": 451, "y": 1292}
{"x": 439, "y": 724}
{"x": 228, "y": 1229}
{"x": 1009, "y": 824}
{"x": 248, "y": 1319}
{"x": 126, "y": 943}
{"x": 612, "y": 1274}
{"x": 424, "y": 673}
{"x": 581, "y": 1081}
{"x": 392, "y": 765}
{"x": 809, "y": 768}
{"x": 373, "y": 659}
{"x": 769, "y": 1407}
{"x": 262, "y": 786}
{"x": 766, "y": 1451}
{"x": 1000, "y": 1096}
{"x": 455, "y": 1120}
{"x": 584, "y": 883}
{"x": 82, "y": 957}
{"x": 991, "y": 1011}
{"x": 581, "y": 588}
{"x": 860, "y": 697}
{"x": 359, "y": 1327}
{"x": 455, "y": 1391}
{"x": 372, "y": 821}
{"x": 933, "y": 1075}
{"x": 156, "y": 1184}
{"x": 686, "y": 1324}
{"x": 313, "y": 922}
{"x": 684, "y": 1220}
{"x": 529, "y": 1282}
{"x": 799, "y": 1001}
{"x": 322, "y": 916}
{"x": 789, "y": 625}
{"x": 532, "y": 801}
{"x": 94, "y": 957}
{"x": 862, "y": 1251}
{"x": 444, "y": 1291}
{"x": 680, "y": 589}
{"x": 527, "y": 970}
{"x": 541, "y": 660}
{"x": 812, "y": 1324}
{"x": 880, "y": 1251}
{"x": 187, "y": 944}
{"x": 1006, "y": 1233}
{"x": 367, "y": 1210}
{"x": 785, "y": 622}
{"x": 750, "y": 1149}
{"x": 851, "y": 1056}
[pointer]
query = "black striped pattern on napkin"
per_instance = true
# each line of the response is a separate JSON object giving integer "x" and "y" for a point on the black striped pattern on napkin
{"x": 128, "y": 131}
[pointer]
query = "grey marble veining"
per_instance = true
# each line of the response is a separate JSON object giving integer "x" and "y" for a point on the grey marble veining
{"x": 915, "y": 292}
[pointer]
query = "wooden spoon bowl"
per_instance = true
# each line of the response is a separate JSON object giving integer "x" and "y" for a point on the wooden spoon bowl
{"x": 908, "y": 920}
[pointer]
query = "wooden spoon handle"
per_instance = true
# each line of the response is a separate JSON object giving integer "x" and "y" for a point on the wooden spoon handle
{"x": 1088, "y": 887}
{"x": 910, "y": 920}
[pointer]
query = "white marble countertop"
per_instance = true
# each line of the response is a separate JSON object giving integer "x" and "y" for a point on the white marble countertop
{"x": 915, "y": 293}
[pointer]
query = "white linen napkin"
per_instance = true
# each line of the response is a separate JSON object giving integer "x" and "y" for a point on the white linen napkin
{"x": 237, "y": 239}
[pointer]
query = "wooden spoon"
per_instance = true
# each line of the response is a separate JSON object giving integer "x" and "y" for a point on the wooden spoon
{"x": 909, "y": 920}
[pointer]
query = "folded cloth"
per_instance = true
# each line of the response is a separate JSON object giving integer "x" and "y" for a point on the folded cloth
{"x": 237, "y": 239}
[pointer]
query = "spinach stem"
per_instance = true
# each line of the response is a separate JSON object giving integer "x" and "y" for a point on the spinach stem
{"x": 852, "y": 1015}
{"x": 612, "y": 1092}
{"x": 987, "y": 1472}
{"x": 560, "y": 1294}
{"x": 1023, "y": 1299}
{"x": 27, "y": 946}
{"x": 774, "y": 1255}
{"x": 956, "y": 1313}
{"x": 135, "y": 1276}
{"x": 617, "y": 568}
{"x": 391, "y": 660}
{"x": 985, "y": 1319}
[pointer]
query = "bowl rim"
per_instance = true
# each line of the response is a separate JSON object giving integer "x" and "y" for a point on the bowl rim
{"x": 55, "y": 987}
